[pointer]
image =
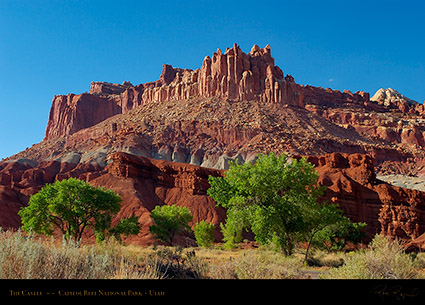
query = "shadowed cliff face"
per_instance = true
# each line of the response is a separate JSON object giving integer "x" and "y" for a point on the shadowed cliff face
{"x": 145, "y": 183}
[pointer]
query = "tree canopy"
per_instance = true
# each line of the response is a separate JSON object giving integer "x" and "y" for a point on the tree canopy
{"x": 277, "y": 199}
{"x": 169, "y": 220}
{"x": 72, "y": 205}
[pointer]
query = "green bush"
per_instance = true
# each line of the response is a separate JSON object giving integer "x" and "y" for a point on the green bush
{"x": 232, "y": 233}
{"x": 204, "y": 233}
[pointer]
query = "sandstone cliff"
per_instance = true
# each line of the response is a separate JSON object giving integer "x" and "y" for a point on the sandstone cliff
{"x": 352, "y": 184}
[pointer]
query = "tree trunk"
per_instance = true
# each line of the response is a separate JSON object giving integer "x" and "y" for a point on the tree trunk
{"x": 309, "y": 245}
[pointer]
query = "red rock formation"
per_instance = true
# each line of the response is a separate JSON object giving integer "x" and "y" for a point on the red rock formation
{"x": 416, "y": 245}
{"x": 70, "y": 113}
{"x": 233, "y": 75}
{"x": 333, "y": 98}
{"x": 104, "y": 88}
{"x": 390, "y": 127}
{"x": 158, "y": 182}
{"x": 233, "y": 107}
{"x": 351, "y": 182}
{"x": 145, "y": 183}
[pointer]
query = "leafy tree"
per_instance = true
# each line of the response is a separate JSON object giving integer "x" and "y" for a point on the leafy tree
{"x": 204, "y": 233}
{"x": 277, "y": 200}
{"x": 320, "y": 217}
{"x": 71, "y": 205}
{"x": 126, "y": 226}
{"x": 334, "y": 237}
{"x": 169, "y": 220}
{"x": 232, "y": 230}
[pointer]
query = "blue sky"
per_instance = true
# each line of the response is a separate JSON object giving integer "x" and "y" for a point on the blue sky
{"x": 59, "y": 47}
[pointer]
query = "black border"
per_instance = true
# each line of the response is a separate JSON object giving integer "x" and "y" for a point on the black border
{"x": 289, "y": 291}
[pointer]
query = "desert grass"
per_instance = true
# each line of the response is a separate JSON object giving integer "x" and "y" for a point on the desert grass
{"x": 31, "y": 257}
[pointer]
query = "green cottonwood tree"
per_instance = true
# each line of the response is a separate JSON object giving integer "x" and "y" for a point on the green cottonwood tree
{"x": 73, "y": 205}
{"x": 169, "y": 220}
{"x": 277, "y": 200}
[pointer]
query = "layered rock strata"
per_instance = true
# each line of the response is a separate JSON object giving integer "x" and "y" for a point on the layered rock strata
{"x": 389, "y": 126}
{"x": 236, "y": 105}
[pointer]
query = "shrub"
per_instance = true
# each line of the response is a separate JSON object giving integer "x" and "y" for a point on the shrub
{"x": 384, "y": 259}
{"x": 172, "y": 263}
{"x": 325, "y": 259}
{"x": 26, "y": 258}
{"x": 336, "y": 236}
{"x": 223, "y": 270}
{"x": 204, "y": 233}
{"x": 232, "y": 233}
{"x": 258, "y": 265}
{"x": 126, "y": 226}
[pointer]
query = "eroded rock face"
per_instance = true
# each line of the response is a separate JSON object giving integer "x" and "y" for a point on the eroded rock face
{"x": 70, "y": 113}
{"x": 236, "y": 105}
{"x": 351, "y": 183}
{"x": 145, "y": 183}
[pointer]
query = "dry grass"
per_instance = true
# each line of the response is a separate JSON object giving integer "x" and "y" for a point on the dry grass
{"x": 28, "y": 257}
{"x": 384, "y": 259}
{"x": 33, "y": 258}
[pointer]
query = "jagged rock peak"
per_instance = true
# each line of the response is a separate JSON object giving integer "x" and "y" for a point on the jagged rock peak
{"x": 233, "y": 75}
{"x": 389, "y": 96}
{"x": 109, "y": 88}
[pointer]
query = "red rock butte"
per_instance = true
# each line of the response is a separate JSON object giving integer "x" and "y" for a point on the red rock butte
{"x": 231, "y": 75}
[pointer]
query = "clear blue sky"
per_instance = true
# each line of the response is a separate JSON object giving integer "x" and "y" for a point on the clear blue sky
{"x": 59, "y": 47}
